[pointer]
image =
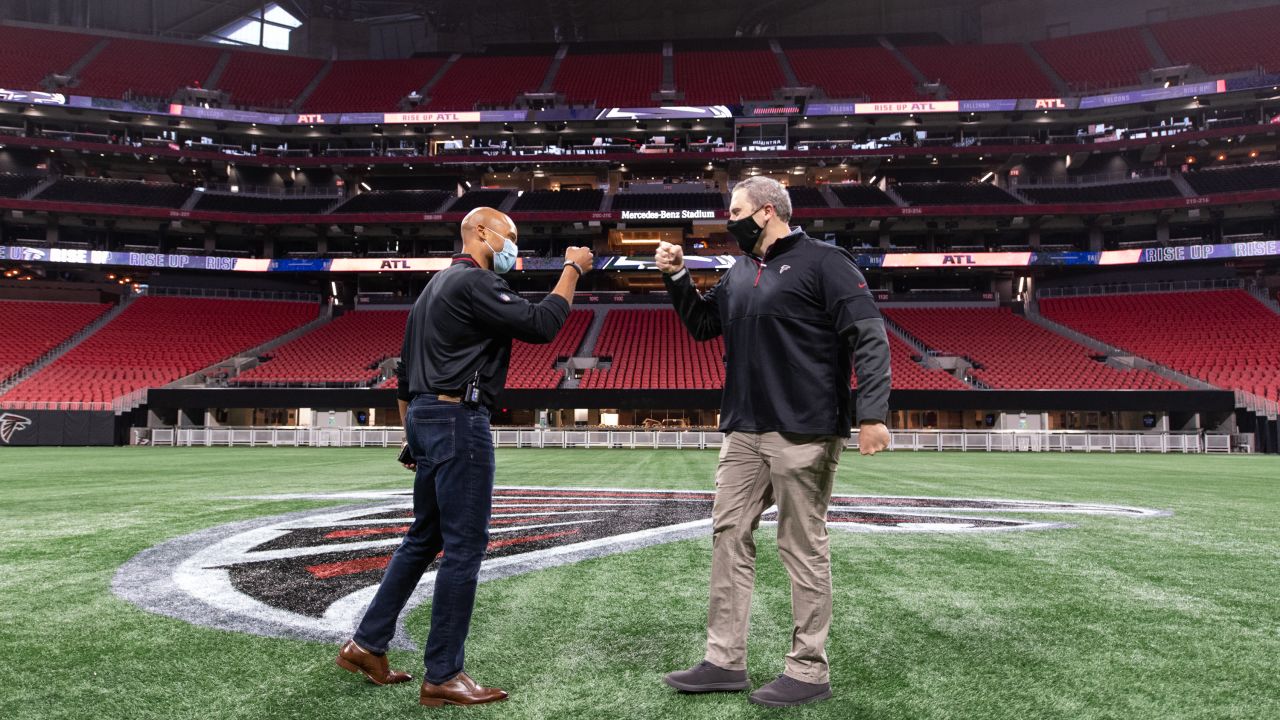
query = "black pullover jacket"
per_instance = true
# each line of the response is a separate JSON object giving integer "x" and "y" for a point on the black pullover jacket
{"x": 795, "y": 325}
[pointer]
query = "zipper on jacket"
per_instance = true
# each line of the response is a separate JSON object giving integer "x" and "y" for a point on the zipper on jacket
{"x": 759, "y": 269}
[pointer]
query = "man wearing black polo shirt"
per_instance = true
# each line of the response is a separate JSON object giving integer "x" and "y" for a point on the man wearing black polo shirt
{"x": 457, "y": 347}
{"x": 797, "y": 318}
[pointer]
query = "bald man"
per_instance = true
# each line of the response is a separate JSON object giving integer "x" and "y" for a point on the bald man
{"x": 457, "y": 346}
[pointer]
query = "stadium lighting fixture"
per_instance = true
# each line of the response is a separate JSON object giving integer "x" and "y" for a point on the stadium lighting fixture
{"x": 987, "y": 177}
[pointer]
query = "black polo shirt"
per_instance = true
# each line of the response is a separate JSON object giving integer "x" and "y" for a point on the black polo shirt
{"x": 461, "y": 328}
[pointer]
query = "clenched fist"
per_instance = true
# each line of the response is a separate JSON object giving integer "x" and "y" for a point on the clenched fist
{"x": 872, "y": 438}
{"x": 580, "y": 255}
{"x": 669, "y": 258}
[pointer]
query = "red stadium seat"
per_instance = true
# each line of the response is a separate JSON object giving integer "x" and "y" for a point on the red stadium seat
{"x": 257, "y": 79}
{"x": 982, "y": 71}
{"x": 1095, "y": 61}
{"x": 28, "y": 55}
{"x": 1224, "y": 337}
{"x": 494, "y": 81}
{"x": 610, "y": 80}
{"x": 32, "y": 329}
{"x": 1015, "y": 353}
{"x": 1235, "y": 41}
{"x": 146, "y": 69}
{"x": 370, "y": 85}
{"x": 158, "y": 340}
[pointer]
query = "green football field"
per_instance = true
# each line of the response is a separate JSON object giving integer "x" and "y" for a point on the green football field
{"x": 1164, "y": 617}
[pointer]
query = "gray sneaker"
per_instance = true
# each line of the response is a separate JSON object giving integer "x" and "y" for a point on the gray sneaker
{"x": 787, "y": 691}
{"x": 705, "y": 677}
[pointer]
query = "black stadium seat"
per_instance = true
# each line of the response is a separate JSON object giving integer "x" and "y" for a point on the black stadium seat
{"x": 116, "y": 192}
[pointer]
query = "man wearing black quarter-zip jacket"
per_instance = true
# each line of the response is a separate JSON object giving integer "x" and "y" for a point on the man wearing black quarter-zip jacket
{"x": 797, "y": 319}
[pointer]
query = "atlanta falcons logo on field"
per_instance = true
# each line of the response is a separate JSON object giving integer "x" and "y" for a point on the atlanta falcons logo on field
{"x": 10, "y": 424}
{"x": 310, "y": 574}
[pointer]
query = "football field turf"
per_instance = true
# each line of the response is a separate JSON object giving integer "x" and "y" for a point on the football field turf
{"x": 1114, "y": 617}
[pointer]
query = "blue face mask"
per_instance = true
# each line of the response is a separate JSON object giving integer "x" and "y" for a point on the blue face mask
{"x": 504, "y": 259}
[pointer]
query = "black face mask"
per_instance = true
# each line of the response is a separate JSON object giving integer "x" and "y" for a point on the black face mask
{"x": 746, "y": 231}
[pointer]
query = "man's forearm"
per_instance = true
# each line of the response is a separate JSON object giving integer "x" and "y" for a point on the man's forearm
{"x": 567, "y": 284}
{"x": 404, "y": 411}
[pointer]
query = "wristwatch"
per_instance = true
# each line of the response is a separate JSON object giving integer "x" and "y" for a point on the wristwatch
{"x": 575, "y": 266}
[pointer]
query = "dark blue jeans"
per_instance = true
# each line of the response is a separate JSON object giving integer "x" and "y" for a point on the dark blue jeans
{"x": 452, "y": 500}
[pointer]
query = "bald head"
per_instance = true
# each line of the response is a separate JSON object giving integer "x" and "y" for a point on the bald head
{"x": 497, "y": 223}
{"x": 484, "y": 232}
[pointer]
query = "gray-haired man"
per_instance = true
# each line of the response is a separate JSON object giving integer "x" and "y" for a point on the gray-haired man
{"x": 797, "y": 317}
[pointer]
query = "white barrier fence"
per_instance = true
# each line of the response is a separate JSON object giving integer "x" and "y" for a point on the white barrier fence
{"x": 903, "y": 440}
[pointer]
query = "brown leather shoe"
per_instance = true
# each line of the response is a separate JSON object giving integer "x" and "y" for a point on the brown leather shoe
{"x": 461, "y": 690}
{"x": 356, "y": 659}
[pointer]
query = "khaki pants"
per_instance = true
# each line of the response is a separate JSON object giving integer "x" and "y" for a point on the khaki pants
{"x": 796, "y": 472}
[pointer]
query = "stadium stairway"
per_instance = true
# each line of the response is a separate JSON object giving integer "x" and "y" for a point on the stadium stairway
{"x": 788, "y": 72}
{"x": 1038, "y": 60}
{"x": 586, "y": 350}
{"x": 1184, "y": 187}
{"x": 894, "y": 196}
{"x": 80, "y": 336}
{"x": 83, "y": 62}
{"x": 311, "y": 86}
{"x": 929, "y": 356}
{"x": 885, "y": 43}
{"x": 39, "y": 188}
{"x": 1153, "y": 47}
{"x": 233, "y": 366}
{"x": 220, "y": 67}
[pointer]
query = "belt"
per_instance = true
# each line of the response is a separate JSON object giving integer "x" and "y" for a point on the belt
{"x": 449, "y": 398}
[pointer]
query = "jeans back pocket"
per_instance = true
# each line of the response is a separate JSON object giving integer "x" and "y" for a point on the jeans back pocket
{"x": 435, "y": 436}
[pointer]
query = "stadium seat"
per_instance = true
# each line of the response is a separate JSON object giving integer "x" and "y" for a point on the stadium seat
{"x": 953, "y": 193}
{"x": 31, "y": 329}
{"x": 1235, "y": 178}
{"x": 1116, "y": 192}
{"x": 345, "y": 351}
{"x": 142, "y": 68}
{"x": 475, "y": 81}
{"x": 559, "y": 201}
{"x": 850, "y": 72}
{"x": 807, "y": 197}
{"x": 262, "y": 204}
{"x": 28, "y": 55}
{"x": 1092, "y": 62}
{"x": 1226, "y": 42}
{"x": 244, "y": 78}
{"x": 155, "y": 341}
{"x": 424, "y": 201}
{"x": 718, "y": 77}
{"x": 1011, "y": 352}
{"x": 981, "y": 71}
{"x": 116, "y": 192}
{"x": 1223, "y": 337}
{"x": 13, "y": 185}
{"x": 370, "y": 85}
{"x": 611, "y": 79}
